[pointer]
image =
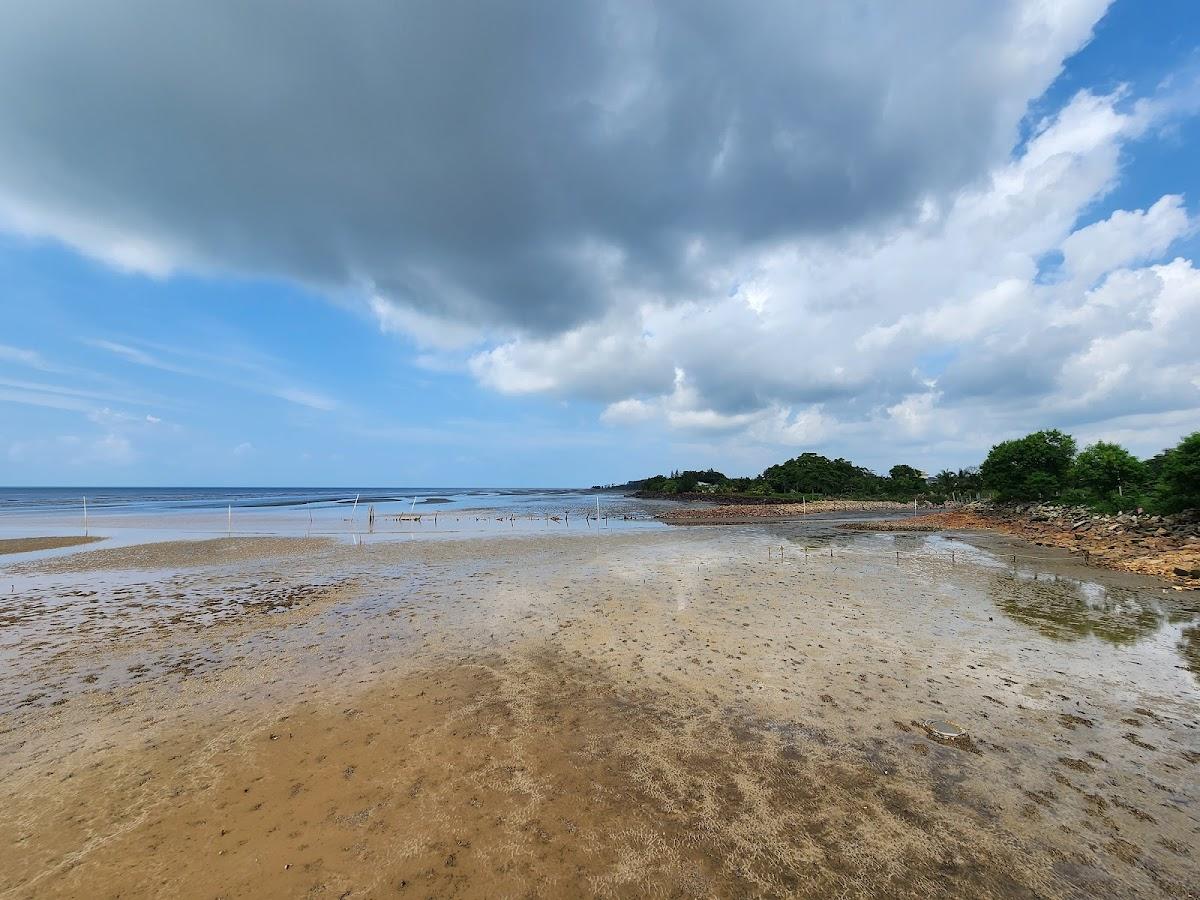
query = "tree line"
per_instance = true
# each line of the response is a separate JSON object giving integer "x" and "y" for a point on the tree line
{"x": 814, "y": 475}
{"x": 1105, "y": 476}
{"x": 1042, "y": 466}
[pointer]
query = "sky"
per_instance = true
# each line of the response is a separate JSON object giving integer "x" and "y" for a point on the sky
{"x": 301, "y": 242}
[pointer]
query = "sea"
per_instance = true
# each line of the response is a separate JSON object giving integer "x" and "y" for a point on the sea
{"x": 308, "y": 509}
{"x": 22, "y": 500}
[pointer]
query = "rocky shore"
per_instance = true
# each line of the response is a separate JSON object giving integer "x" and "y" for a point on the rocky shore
{"x": 745, "y": 513}
{"x": 1167, "y": 547}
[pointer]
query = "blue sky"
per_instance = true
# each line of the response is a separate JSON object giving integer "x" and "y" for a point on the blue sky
{"x": 230, "y": 381}
{"x": 540, "y": 279}
{"x": 1139, "y": 46}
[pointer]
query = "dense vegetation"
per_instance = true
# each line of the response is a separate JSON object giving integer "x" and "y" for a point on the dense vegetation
{"x": 1177, "y": 482}
{"x": 1104, "y": 476}
{"x": 1035, "y": 467}
{"x": 812, "y": 475}
{"x": 1043, "y": 466}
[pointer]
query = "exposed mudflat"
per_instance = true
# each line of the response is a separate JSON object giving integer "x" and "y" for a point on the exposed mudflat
{"x": 675, "y": 713}
{"x": 32, "y": 544}
{"x": 184, "y": 554}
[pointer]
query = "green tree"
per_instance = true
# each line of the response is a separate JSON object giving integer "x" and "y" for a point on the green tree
{"x": 1034, "y": 467}
{"x": 1108, "y": 472}
{"x": 1154, "y": 466}
{"x": 907, "y": 480}
{"x": 968, "y": 479}
{"x": 691, "y": 479}
{"x": 811, "y": 473}
{"x": 944, "y": 481}
{"x": 1178, "y": 485}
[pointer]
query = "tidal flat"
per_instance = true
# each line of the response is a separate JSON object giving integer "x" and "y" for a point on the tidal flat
{"x": 726, "y": 711}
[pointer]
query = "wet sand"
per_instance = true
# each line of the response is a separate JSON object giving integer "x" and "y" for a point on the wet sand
{"x": 162, "y": 555}
{"x": 623, "y": 715}
{"x": 1149, "y": 551}
{"x": 33, "y": 544}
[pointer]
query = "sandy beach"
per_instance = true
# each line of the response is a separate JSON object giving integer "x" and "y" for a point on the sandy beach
{"x": 686, "y": 712}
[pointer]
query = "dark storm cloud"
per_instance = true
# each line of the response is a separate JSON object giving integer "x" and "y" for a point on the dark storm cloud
{"x": 517, "y": 164}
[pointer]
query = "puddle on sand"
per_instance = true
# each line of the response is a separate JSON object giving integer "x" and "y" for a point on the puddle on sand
{"x": 940, "y": 728}
{"x": 1067, "y": 609}
{"x": 1189, "y": 646}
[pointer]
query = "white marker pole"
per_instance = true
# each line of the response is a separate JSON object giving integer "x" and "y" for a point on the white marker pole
{"x": 229, "y": 519}
{"x": 85, "y": 516}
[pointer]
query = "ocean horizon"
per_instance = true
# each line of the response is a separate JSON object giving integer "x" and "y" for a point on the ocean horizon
{"x": 182, "y": 498}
